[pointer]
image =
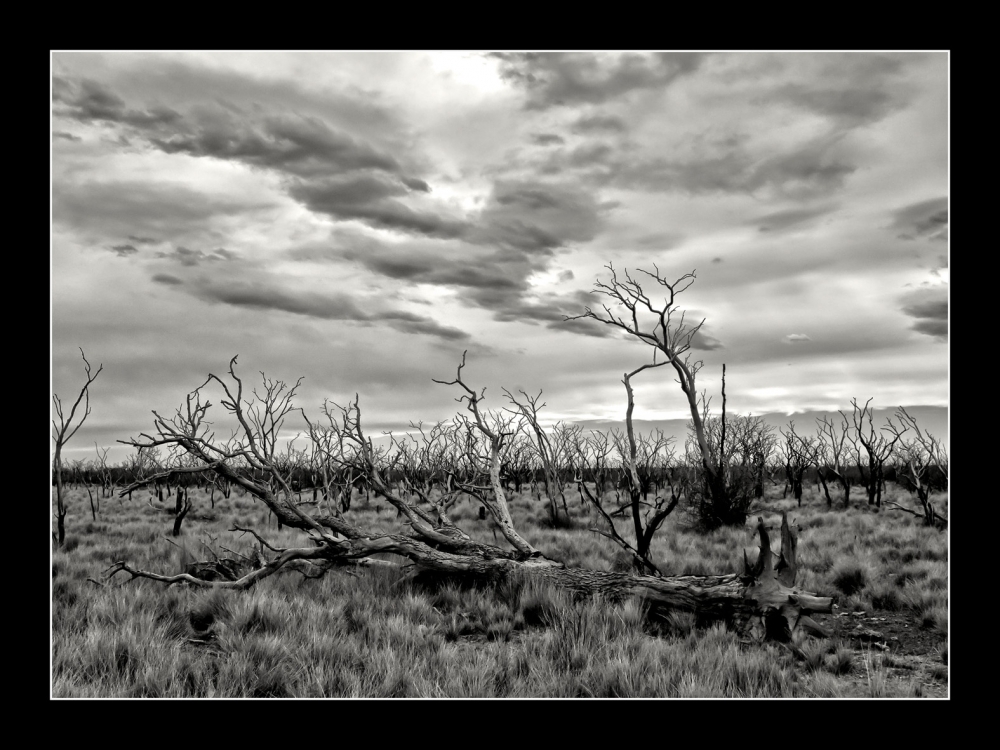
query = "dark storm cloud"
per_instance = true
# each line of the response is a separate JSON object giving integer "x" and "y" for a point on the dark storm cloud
{"x": 567, "y": 78}
{"x": 851, "y": 89}
{"x": 516, "y": 235}
{"x": 659, "y": 240}
{"x": 123, "y": 251}
{"x": 298, "y": 145}
{"x": 782, "y": 220}
{"x": 584, "y": 327}
{"x": 349, "y": 190}
{"x": 66, "y": 136}
{"x": 527, "y": 222}
{"x": 326, "y": 306}
{"x": 119, "y": 209}
{"x": 187, "y": 257}
{"x": 923, "y": 220}
{"x": 260, "y": 296}
{"x": 349, "y": 108}
{"x": 703, "y": 341}
{"x": 547, "y": 139}
{"x": 532, "y": 312}
{"x": 370, "y": 198}
{"x": 142, "y": 240}
{"x": 814, "y": 169}
{"x": 845, "y": 103}
{"x": 337, "y": 175}
{"x": 127, "y": 207}
{"x": 936, "y": 328}
{"x": 332, "y": 172}
{"x": 409, "y": 323}
{"x": 930, "y": 307}
{"x": 165, "y": 278}
{"x": 492, "y": 280}
{"x": 87, "y": 100}
{"x": 567, "y": 275}
{"x": 431, "y": 268}
{"x": 415, "y": 184}
{"x": 599, "y": 123}
{"x": 593, "y": 154}
{"x": 537, "y": 217}
{"x": 558, "y": 312}
{"x": 847, "y": 91}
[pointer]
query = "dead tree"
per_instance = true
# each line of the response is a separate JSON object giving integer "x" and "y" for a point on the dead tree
{"x": 800, "y": 453}
{"x": 761, "y": 601}
{"x": 143, "y": 463}
{"x": 422, "y": 464}
{"x": 517, "y": 462}
{"x": 741, "y": 445}
{"x": 834, "y": 437}
{"x": 548, "y": 456}
{"x": 565, "y": 440}
{"x": 183, "y": 508}
{"x": 644, "y": 524}
{"x": 657, "y": 326}
{"x": 62, "y": 431}
{"x": 104, "y": 472}
{"x": 919, "y": 456}
{"x": 750, "y": 445}
{"x": 95, "y": 507}
{"x": 821, "y": 461}
{"x": 871, "y": 449}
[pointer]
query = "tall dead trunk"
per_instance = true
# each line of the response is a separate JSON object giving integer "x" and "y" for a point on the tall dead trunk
{"x": 93, "y": 508}
{"x": 60, "y": 502}
{"x": 821, "y": 478}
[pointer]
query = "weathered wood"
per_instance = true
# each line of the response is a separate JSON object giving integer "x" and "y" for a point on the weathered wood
{"x": 762, "y": 602}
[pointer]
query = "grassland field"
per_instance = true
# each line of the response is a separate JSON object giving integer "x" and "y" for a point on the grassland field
{"x": 370, "y": 633}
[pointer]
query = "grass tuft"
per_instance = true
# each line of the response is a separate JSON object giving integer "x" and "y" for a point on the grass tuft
{"x": 849, "y": 577}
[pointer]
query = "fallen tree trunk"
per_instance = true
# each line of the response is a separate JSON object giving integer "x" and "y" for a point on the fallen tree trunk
{"x": 762, "y": 602}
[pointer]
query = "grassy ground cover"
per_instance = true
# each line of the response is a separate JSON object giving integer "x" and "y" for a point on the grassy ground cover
{"x": 383, "y": 633}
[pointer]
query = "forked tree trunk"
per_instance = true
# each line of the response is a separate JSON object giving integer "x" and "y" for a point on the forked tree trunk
{"x": 821, "y": 478}
{"x": 182, "y": 511}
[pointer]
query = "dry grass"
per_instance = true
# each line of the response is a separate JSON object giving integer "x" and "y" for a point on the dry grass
{"x": 376, "y": 634}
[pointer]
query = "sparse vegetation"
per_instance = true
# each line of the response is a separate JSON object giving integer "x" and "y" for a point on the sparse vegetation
{"x": 593, "y": 601}
{"x": 380, "y": 633}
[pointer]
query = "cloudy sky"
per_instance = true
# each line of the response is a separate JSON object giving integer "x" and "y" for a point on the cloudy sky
{"x": 360, "y": 219}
